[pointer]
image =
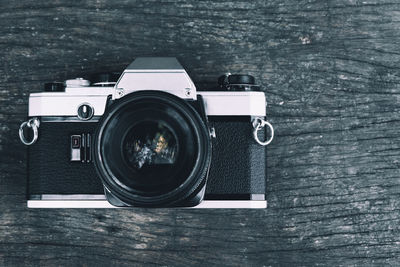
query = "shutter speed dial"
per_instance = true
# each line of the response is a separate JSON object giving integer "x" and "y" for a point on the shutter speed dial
{"x": 85, "y": 111}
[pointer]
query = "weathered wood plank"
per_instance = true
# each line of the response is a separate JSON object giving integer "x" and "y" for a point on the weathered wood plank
{"x": 332, "y": 77}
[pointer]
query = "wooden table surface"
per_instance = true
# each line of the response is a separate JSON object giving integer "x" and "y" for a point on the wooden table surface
{"x": 331, "y": 74}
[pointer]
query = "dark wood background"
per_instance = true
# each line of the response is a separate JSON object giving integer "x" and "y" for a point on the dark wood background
{"x": 331, "y": 73}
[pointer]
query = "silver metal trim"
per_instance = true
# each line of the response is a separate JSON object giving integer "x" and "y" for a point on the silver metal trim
{"x": 258, "y": 124}
{"x": 77, "y": 82}
{"x": 99, "y": 201}
{"x": 71, "y": 197}
{"x": 34, "y": 124}
{"x": 155, "y": 63}
{"x": 68, "y": 119}
{"x": 102, "y": 204}
{"x": 61, "y": 104}
{"x": 104, "y": 84}
{"x": 257, "y": 196}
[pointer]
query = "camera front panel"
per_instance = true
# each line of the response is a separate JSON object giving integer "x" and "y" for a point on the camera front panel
{"x": 51, "y": 167}
{"x": 237, "y": 170}
{"x": 238, "y": 166}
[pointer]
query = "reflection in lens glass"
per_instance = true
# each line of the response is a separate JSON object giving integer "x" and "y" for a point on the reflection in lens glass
{"x": 148, "y": 144}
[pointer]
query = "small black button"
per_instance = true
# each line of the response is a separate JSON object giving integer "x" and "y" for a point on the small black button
{"x": 85, "y": 112}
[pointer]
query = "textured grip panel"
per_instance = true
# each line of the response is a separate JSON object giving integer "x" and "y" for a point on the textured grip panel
{"x": 237, "y": 167}
{"x": 238, "y": 163}
{"x": 50, "y": 169}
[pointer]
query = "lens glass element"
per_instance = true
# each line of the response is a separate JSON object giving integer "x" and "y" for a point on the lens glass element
{"x": 150, "y": 145}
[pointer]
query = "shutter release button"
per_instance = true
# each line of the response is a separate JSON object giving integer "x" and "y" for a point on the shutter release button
{"x": 85, "y": 111}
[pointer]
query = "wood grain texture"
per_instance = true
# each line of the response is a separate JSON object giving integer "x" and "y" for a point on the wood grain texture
{"x": 332, "y": 77}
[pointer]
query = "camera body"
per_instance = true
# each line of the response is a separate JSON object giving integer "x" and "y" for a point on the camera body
{"x": 117, "y": 141}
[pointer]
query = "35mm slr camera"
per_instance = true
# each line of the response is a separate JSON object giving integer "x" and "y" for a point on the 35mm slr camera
{"x": 147, "y": 138}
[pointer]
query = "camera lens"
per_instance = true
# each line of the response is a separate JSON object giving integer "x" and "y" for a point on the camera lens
{"x": 152, "y": 149}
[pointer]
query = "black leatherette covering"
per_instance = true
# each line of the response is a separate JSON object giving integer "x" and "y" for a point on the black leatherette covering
{"x": 238, "y": 162}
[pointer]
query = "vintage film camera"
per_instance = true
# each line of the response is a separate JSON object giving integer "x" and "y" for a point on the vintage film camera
{"x": 147, "y": 138}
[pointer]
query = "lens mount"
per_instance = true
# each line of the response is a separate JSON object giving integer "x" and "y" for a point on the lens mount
{"x": 152, "y": 148}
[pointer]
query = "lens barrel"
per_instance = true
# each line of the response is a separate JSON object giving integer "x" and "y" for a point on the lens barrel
{"x": 152, "y": 149}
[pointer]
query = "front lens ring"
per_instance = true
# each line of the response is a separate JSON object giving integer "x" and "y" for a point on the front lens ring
{"x": 196, "y": 178}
